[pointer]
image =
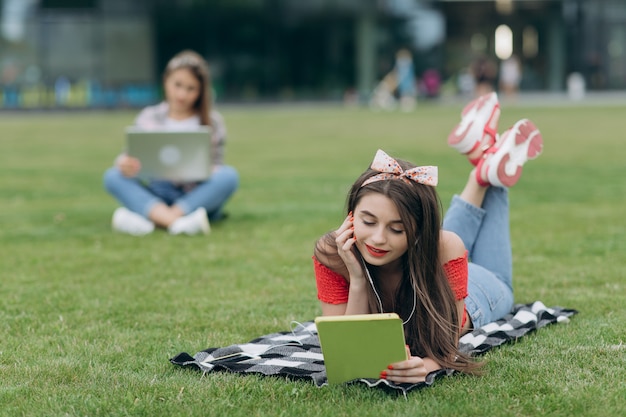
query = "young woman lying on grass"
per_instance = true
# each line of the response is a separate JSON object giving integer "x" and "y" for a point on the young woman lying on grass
{"x": 393, "y": 252}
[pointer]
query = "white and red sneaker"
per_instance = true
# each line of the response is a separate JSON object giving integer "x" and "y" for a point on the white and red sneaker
{"x": 503, "y": 162}
{"x": 478, "y": 127}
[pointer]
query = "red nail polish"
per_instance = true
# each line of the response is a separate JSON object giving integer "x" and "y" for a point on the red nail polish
{"x": 383, "y": 375}
{"x": 390, "y": 367}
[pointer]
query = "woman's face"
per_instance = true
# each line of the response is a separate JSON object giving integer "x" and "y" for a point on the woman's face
{"x": 380, "y": 234}
{"x": 182, "y": 90}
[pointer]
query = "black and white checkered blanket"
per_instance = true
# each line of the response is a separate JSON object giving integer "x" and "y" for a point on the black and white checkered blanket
{"x": 297, "y": 354}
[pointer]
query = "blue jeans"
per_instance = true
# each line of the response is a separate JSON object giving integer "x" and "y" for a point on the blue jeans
{"x": 485, "y": 232}
{"x": 141, "y": 198}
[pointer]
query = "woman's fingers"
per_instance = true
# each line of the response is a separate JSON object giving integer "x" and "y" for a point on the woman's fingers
{"x": 412, "y": 370}
{"x": 345, "y": 232}
{"x": 345, "y": 239}
{"x": 129, "y": 166}
{"x": 347, "y": 224}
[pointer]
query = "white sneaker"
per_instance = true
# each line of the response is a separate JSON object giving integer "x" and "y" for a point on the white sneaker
{"x": 514, "y": 148}
{"x": 194, "y": 223}
{"x": 126, "y": 221}
{"x": 478, "y": 127}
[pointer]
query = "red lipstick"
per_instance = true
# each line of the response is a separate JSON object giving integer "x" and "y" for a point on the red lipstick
{"x": 376, "y": 252}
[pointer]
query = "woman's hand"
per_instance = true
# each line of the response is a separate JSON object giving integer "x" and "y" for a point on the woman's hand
{"x": 345, "y": 241}
{"x": 128, "y": 165}
{"x": 412, "y": 370}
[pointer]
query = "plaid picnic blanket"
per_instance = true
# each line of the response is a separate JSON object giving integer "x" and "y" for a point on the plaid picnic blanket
{"x": 297, "y": 354}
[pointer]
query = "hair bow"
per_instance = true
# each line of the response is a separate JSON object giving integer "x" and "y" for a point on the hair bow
{"x": 389, "y": 168}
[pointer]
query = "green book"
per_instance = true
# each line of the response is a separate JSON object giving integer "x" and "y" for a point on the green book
{"x": 360, "y": 346}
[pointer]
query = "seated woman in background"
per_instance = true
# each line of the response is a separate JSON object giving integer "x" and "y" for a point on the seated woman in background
{"x": 180, "y": 208}
{"x": 393, "y": 253}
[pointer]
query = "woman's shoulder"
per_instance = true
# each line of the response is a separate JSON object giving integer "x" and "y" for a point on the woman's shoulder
{"x": 158, "y": 108}
{"x": 216, "y": 116}
{"x": 217, "y": 123}
{"x": 451, "y": 246}
{"x": 153, "y": 115}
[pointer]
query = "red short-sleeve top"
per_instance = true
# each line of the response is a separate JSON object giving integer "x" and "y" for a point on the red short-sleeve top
{"x": 333, "y": 288}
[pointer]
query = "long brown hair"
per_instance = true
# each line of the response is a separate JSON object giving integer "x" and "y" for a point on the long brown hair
{"x": 432, "y": 330}
{"x": 192, "y": 61}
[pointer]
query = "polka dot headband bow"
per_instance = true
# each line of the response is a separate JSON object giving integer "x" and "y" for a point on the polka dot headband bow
{"x": 389, "y": 168}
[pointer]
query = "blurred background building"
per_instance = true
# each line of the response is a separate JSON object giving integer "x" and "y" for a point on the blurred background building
{"x": 110, "y": 53}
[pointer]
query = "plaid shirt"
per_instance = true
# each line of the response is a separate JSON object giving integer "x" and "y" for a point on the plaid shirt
{"x": 154, "y": 117}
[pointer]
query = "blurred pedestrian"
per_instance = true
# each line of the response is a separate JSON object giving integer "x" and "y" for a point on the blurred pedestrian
{"x": 180, "y": 208}
{"x": 405, "y": 76}
{"x": 431, "y": 83}
{"x": 510, "y": 76}
{"x": 485, "y": 74}
{"x": 400, "y": 82}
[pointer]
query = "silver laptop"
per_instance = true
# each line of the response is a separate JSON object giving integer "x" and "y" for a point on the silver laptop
{"x": 182, "y": 156}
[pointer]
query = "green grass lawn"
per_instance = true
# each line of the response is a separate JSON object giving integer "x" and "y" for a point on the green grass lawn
{"x": 89, "y": 318}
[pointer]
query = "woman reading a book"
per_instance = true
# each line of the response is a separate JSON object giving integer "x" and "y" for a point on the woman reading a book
{"x": 393, "y": 253}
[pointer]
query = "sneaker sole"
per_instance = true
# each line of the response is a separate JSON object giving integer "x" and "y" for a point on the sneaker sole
{"x": 206, "y": 226}
{"x": 471, "y": 129}
{"x": 520, "y": 144}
